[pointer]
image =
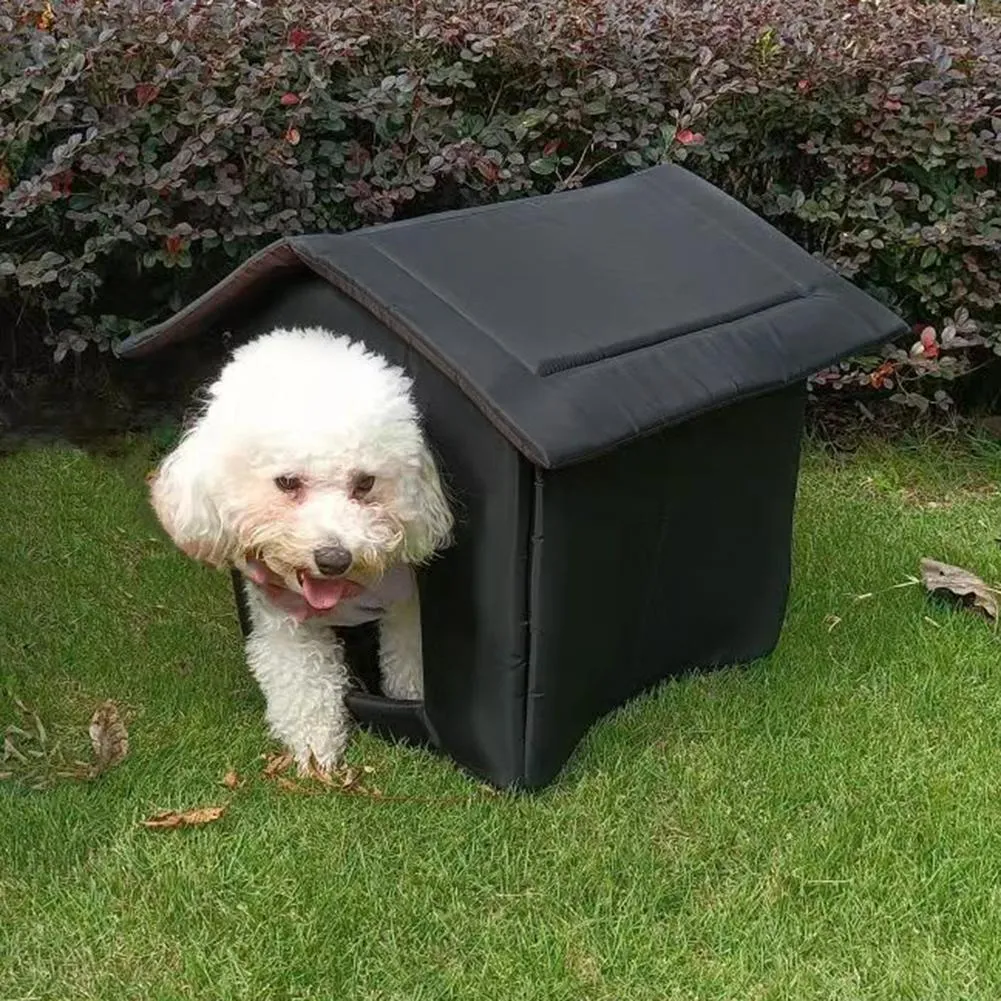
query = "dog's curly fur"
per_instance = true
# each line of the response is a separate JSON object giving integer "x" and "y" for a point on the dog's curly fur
{"x": 307, "y": 441}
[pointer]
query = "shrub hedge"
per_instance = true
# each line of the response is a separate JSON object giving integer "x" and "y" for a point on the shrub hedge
{"x": 146, "y": 146}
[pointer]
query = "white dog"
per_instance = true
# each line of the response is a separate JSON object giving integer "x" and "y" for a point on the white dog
{"x": 307, "y": 471}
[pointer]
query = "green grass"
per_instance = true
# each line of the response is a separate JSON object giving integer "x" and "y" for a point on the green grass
{"x": 824, "y": 824}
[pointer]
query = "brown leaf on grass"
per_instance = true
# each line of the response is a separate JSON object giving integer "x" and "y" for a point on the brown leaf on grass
{"x": 345, "y": 779}
{"x": 277, "y": 763}
{"x": 188, "y": 818}
{"x": 317, "y": 774}
{"x": 960, "y": 585}
{"x": 339, "y": 778}
{"x": 108, "y": 737}
{"x": 231, "y": 780}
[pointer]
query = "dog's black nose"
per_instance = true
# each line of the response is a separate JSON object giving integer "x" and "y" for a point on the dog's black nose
{"x": 332, "y": 561}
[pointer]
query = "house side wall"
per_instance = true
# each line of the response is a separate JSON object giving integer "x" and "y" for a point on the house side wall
{"x": 667, "y": 556}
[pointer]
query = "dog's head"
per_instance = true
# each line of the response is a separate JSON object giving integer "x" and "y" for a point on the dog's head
{"x": 307, "y": 456}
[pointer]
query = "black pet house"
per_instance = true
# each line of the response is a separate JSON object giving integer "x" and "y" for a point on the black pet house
{"x": 613, "y": 380}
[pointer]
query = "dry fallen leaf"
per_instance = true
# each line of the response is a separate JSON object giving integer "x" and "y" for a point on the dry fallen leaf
{"x": 108, "y": 737}
{"x": 955, "y": 582}
{"x": 345, "y": 779}
{"x": 231, "y": 780}
{"x": 277, "y": 763}
{"x": 189, "y": 818}
{"x": 314, "y": 771}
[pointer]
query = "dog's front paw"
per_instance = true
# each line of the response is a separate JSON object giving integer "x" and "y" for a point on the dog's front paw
{"x": 310, "y": 768}
{"x": 320, "y": 751}
{"x": 403, "y": 686}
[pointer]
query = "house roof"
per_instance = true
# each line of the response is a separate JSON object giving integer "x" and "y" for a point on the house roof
{"x": 580, "y": 320}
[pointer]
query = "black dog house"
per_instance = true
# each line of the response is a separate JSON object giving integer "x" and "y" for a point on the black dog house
{"x": 613, "y": 380}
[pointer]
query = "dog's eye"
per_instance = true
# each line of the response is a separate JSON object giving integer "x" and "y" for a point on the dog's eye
{"x": 362, "y": 485}
{"x": 288, "y": 484}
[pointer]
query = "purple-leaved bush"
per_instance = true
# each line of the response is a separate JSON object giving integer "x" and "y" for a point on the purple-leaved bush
{"x": 146, "y": 147}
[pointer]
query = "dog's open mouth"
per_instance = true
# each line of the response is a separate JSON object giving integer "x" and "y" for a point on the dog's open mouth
{"x": 324, "y": 593}
{"x": 321, "y": 594}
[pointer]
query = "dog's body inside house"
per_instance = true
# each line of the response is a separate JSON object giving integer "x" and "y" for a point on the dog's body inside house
{"x": 308, "y": 472}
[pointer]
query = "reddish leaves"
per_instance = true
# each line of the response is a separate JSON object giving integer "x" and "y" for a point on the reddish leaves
{"x": 146, "y": 93}
{"x": 488, "y": 170}
{"x": 880, "y": 377}
{"x": 689, "y": 138}
{"x": 876, "y": 181}
{"x": 62, "y": 183}
{"x": 929, "y": 343}
{"x": 298, "y": 38}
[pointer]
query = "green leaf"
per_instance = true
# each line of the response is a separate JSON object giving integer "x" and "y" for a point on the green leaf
{"x": 532, "y": 118}
{"x": 929, "y": 257}
{"x": 633, "y": 158}
{"x": 545, "y": 165}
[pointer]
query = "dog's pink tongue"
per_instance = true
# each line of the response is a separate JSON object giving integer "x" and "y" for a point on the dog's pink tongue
{"x": 322, "y": 593}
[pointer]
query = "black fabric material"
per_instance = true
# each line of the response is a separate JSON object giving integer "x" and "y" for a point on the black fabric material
{"x": 242, "y": 608}
{"x": 577, "y": 322}
{"x": 612, "y": 381}
{"x": 666, "y": 556}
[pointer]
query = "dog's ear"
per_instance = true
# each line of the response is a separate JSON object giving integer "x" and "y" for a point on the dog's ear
{"x": 429, "y": 525}
{"x": 181, "y": 495}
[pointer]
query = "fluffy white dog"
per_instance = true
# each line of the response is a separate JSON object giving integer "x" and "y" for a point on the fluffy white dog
{"x": 307, "y": 470}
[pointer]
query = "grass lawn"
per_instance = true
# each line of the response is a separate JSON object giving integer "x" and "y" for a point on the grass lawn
{"x": 825, "y": 824}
